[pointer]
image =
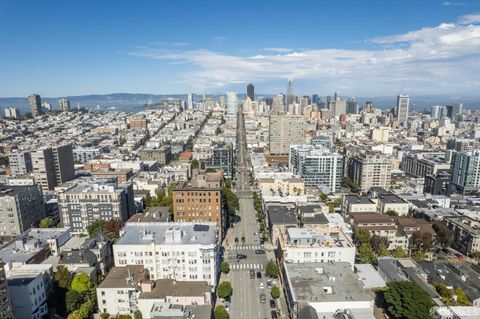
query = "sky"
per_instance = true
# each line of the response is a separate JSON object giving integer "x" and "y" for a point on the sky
{"x": 358, "y": 48}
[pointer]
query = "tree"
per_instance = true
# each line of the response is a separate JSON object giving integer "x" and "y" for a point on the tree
{"x": 220, "y": 312}
{"x": 365, "y": 252}
{"x": 210, "y": 170}
{"x": 421, "y": 241}
{"x": 83, "y": 312}
{"x": 81, "y": 283}
{"x": 399, "y": 253}
{"x": 275, "y": 292}
{"x": 445, "y": 293}
{"x": 225, "y": 267}
{"x": 63, "y": 277}
{"x": 137, "y": 314}
{"x": 224, "y": 290}
{"x": 405, "y": 299}
{"x": 104, "y": 315}
{"x": 462, "y": 299}
{"x": 418, "y": 254}
{"x": 272, "y": 269}
{"x": 362, "y": 236}
{"x": 46, "y": 222}
{"x": 383, "y": 251}
{"x": 73, "y": 300}
{"x": 323, "y": 197}
{"x": 228, "y": 183}
{"x": 378, "y": 243}
{"x": 391, "y": 213}
{"x": 113, "y": 227}
{"x": 444, "y": 235}
{"x": 95, "y": 227}
{"x": 195, "y": 164}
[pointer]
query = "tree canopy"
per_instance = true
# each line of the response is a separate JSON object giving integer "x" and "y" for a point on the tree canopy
{"x": 46, "y": 222}
{"x": 81, "y": 283}
{"x": 275, "y": 292}
{"x": 224, "y": 290}
{"x": 405, "y": 299}
{"x": 220, "y": 312}
{"x": 272, "y": 269}
{"x": 444, "y": 235}
{"x": 225, "y": 267}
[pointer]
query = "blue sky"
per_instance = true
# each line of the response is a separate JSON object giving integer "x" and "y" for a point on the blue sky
{"x": 362, "y": 48}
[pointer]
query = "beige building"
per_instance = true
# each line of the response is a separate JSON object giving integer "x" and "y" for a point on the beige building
{"x": 380, "y": 134}
{"x": 285, "y": 130}
{"x": 53, "y": 166}
{"x": 369, "y": 170}
{"x": 293, "y": 186}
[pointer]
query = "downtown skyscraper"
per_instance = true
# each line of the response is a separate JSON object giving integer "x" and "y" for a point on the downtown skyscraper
{"x": 35, "y": 104}
{"x": 401, "y": 109}
{"x": 251, "y": 91}
{"x": 290, "y": 97}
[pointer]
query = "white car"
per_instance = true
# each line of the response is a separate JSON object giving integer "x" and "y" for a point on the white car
{"x": 227, "y": 305}
{"x": 262, "y": 286}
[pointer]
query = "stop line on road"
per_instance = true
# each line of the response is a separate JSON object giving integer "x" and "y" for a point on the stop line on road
{"x": 245, "y": 247}
{"x": 245, "y": 266}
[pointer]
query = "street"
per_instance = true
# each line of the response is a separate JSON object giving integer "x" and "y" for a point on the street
{"x": 243, "y": 240}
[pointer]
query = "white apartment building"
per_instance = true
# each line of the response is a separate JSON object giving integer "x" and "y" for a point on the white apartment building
{"x": 29, "y": 286}
{"x": 180, "y": 251}
{"x": 316, "y": 244}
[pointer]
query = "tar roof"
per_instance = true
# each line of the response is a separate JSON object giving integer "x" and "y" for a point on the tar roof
{"x": 168, "y": 233}
{"x": 308, "y": 282}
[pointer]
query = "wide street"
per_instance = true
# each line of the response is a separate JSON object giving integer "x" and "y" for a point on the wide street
{"x": 244, "y": 239}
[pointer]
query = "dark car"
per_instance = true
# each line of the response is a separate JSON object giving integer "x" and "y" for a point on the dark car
{"x": 259, "y": 275}
{"x": 274, "y": 314}
{"x": 243, "y": 239}
{"x": 262, "y": 242}
{"x": 273, "y": 304}
{"x": 236, "y": 240}
{"x": 263, "y": 298}
{"x": 260, "y": 252}
{"x": 241, "y": 256}
{"x": 252, "y": 274}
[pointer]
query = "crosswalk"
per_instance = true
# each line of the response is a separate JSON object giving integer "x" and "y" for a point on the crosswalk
{"x": 245, "y": 266}
{"x": 246, "y": 247}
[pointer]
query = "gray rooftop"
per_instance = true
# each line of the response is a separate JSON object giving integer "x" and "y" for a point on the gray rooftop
{"x": 308, "y": 281}
{"x": 280, "y": 215}
{"x": 356, "y": 199}
{"x": 168, "y": 233}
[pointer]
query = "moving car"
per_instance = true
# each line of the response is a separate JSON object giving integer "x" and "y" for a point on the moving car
{"x": 274, "y": 314}
{"x": 262, "y": 286}
{"x": 252, "y": 274}
{"x": 241, "y": 256}
{"x": 259, "y": 252}
{"x": 273, "y": 304}
{"x": 263, "y": 298}
{"x": 259, "y": 275}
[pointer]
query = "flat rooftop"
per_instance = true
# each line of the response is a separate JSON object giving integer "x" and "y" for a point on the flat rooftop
{"x": 168, "y": 233}
{"x": 356, "y": 199}
{"x": 308, "y": 282}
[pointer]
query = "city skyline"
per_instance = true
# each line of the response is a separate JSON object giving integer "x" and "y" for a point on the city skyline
{"x": 132, "y": 48}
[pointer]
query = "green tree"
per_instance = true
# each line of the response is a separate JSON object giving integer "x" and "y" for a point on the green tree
{"x": 195, "y": 164}
{"x": 445, "y": 293}
{"x": 399, "y": 253}
{"x": 324, "y": 197}
{"x": 418, "y": 254}
{"x": 220, "y": 312}
{"x": 113, "y": 227}
{"x": 444, "y": 235}
{"x": 391, "y": 212}
{"x": 383, "y": 251}
{"x": 225, "y": 267}
{"x": 63, "y": 277}
{"x": 462, "y": 299}
{"x": 366, "y": 254}
{"x": 272, "y": 269}
{"x": 81, "y": 283}
{"x": 137, "y": 314}
{"x": 224, "y": 290}
{"x": 275, "y": 292}
{"x": 362, "y": 236}
{"x": 228, "y": 183}
{"x": 83, "y": 312}
{"x": 379, "y": 243}
{"x": 104, "y": 315}
{"x": 405, "y": 299}
{"x": 46, "y": 222}
{"x": 95, "y": 227}
{"x": 73, "y": 300}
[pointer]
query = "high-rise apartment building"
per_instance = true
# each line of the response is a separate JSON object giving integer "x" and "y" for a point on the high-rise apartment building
{"x": 315, "y": 99}
{"x": 290, "y": 97}
{"x": 251, "y": 91}
{"x": 465, "y": 172}
{"x": 370, "y": 170}
{"x": 5, "y": 305}
{"x": 64, "y": 104}
{"x": 401, "y": 110}
{"x": 20, "y": 163}
{"x": 21, "y": 207}
{"x": 454, "y": 110}
{"x": 189, "y": 101}
{"x": 91, "y": 199}
{"x": 35, "y": 104}
{"x": 53, "y": 166}
{"x": 277, "y": 104}
{"x": 12, "y": 113}
{"x": 285, "y": 130}
{"x": 352, "y": 106}
{"x": 438, "y": 112}
{"x": 317, "y": 166}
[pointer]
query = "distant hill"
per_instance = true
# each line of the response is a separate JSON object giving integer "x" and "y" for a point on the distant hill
{"x": 135, "y": 102}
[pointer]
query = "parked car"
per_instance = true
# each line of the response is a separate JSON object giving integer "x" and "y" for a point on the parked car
{"x": 259, "y": 275}
{"x": 274, "y": 314}
{"x": 259, "y": 252}
{"x": 236, "y": 240}
{"x": 227, "y": 305}
{"x": 243, "y": 240}
{"x": 262, "y": 286}
{"x": 273, "y": 304}
{"x": 252, "y": 274}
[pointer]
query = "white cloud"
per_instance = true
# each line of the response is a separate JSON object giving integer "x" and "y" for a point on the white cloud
{"x": 473, "y": 18}
{"x": 279, "y": 50}
{"x": 453, "y": 3}
{"x": 442, "y": 59}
